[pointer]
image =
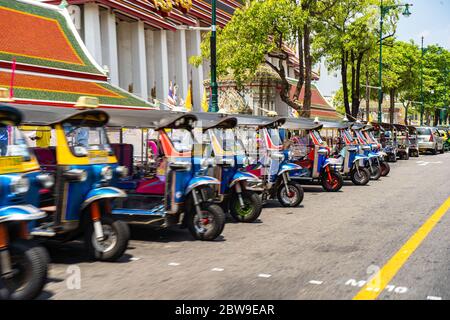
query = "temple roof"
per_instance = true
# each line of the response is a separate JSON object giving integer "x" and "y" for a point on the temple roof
{"x": 52, "y": 64}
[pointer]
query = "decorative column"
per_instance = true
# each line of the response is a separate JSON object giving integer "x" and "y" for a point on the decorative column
{"x": 139, "y": 60}
{"x": 161, "y": 65}
{"x": 92, "y": 31}
{"x": 109, "y": 44}
{"x": 181, "y": 63}
{"x": 194, "y": 41}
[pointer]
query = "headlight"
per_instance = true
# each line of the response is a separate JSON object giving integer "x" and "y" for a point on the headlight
{"x": 290, "y": 154}
{"x": 107, "y": 173}
{"x": 19, "y": 185}
{"x": 79, "y": 175}
{"x": 47, "y": 180}
{"x": 122, "y": 171}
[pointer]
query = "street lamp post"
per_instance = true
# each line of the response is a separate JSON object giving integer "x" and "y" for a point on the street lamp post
{"x": 214, "y": 89}
{"x": 383, "y": 11}
{"x": 422, "y": 105}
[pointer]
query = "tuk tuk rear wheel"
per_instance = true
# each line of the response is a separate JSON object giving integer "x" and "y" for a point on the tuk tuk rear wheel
{"x": 360, "y": 178}
{"x": 117, "y": 235}
{"x": 252, "y": 209}
{"x": 385, "y": 168}
{"x": 207, "y": 226}
{"x": 292, "y": 197}
{"x": 336, "y": 182}
{"x": 30, "y": 264}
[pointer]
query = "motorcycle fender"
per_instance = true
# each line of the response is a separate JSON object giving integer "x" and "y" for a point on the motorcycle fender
{"x": 20, "y": 213}
{"x": 102, "y": 193}
{"x": 288, "y": 167}
{"x": 201, "y": 181}
{"x": 244, "y": 176}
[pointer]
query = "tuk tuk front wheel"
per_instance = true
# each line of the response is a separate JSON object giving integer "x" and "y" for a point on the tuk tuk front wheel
{"x": 29, "y": 262}
{"x": 360, "y": 177}
{"x": 385, "y": 168}
{"x": 333, "y": 185}
{"x": 116, "y": 235}
{"x": 251, "y": 210}
{"x": 207, "y": 225}
{"x": 375, "y": 172}
{"x": 291, "y": 197}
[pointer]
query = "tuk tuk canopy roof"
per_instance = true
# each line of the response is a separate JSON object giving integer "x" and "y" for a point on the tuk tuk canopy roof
{"x": 10, "y": 115}
{"x": 138, "y": 118}
{"x": 177, "y": 121}
{"x": 224, "y": 123}
{"x": 49, "y": 116}
{"x": 302, "y": 124}
{"x": 336, "y": 124}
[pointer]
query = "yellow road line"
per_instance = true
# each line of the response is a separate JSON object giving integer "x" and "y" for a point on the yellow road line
{"x": 382, "y": 278}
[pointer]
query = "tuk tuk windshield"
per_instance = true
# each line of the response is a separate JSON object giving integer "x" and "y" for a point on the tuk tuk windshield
{"x": 369, "y": 137}
{"x": 13, "y": 143}
{"x": 316, "y": 136}
{"x": 347, "y": 137}
{"x": 274, "y": 135}
{"x": 227, "y": 141}
{"x": 182, "y": 139}
{"x": 84, "y": 139}
{"x": 361, "y": 138}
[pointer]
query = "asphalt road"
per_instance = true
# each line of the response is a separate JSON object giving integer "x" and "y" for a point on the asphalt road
{"x": 324, "y": 249}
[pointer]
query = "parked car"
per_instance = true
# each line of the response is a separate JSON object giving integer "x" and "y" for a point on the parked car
{"x": 430, "y": 139}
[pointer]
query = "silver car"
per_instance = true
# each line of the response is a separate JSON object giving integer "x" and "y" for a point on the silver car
{"x": 429, "y": 139}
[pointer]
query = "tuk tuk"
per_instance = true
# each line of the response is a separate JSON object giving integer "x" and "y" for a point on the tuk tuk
{"x": 413, "y": 143}
{"x": 23, "y": 263}
{"x": 179, "y": 193}
{"x": 274, "y": 163}
{"x": 376, "y": 148}
{"x": 387, "y": 137}
{"x": 349, "y": 162}
{"x": 372, "y": 162}
{"x": 445, "y": 132}
{"x": 84, "y": 165}
{"x": 313, "y": 155}
{"x": 221, "y": 143}
{"x": 402, "y": 138}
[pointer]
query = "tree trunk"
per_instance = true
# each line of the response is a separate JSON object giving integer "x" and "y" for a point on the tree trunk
{"x": 344, "y": 56}
{"x": 308, "y": 70}
{"x": 367, "y": 96}
{"x": 356, "y": 95}
{"x": 437, "y": 116}
{"x": 406, "y": 113}
{"x": 301, "y": 77}
{"x": 392, "y": 105}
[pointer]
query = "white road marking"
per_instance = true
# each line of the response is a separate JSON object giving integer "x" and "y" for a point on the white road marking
{"x": 264, "y": 275}
{"x": 217, "y": 269}
{"x": 316, "y": 282}
{"x": 135, "y": 259}
{"x": 423, "y": 164}
{"x": 433, "y": 298}
{"x": 174, "y": 264}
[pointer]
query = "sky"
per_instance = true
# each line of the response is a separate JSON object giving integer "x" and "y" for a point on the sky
{"x": 429, "y": 18}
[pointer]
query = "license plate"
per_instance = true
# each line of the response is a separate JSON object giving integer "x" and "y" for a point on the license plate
{"x": 98, "y": 156}
{"x": 10, "y": 164}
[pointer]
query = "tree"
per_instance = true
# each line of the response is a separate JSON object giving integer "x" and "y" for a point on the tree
{"x": 259, "y": 32}
{"x": 348, "y": 37}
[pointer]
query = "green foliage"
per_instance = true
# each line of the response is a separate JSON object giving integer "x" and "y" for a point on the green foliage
{"x": 252, "y": 33}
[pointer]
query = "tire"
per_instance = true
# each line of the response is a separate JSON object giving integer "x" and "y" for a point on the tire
{"x": 111, "y": 228}
{"x": 297, "y": 195}
{"x": 434, "y": 151}
{"x": 442, "y": 150}
{"x": 385, "y": 168}
{"x": 328, "y": 185}
{"x": 214, "y": 225}
{"x": 406, "y": 157}
{"x": 252, "y": 210}
{"x": 362, "y": 178}
{"x": 375, "y": 172}
{"x": 31, "y": 261}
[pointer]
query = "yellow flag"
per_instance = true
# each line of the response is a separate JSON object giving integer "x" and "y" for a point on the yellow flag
{"x": 205, "y": 104}
{"x": 370, "y": 117}
{"x": 188, "y": 103}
